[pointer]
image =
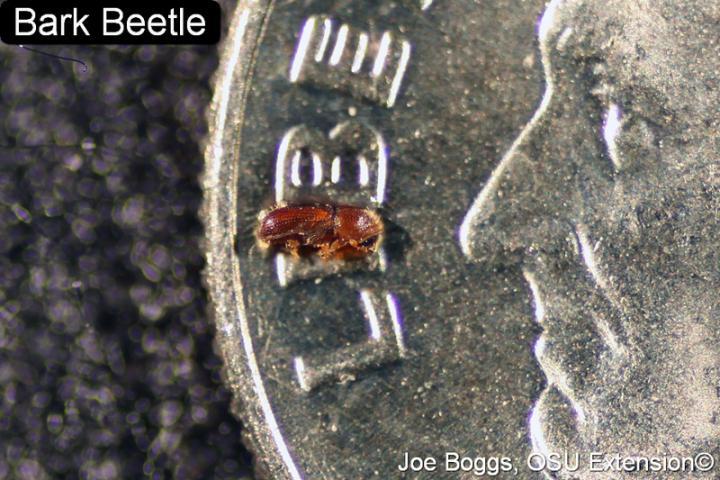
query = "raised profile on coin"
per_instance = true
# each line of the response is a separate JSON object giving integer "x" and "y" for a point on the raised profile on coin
{"x": 610, "y": 194}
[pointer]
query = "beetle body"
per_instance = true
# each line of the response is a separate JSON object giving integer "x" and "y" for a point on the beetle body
{"x": 331, "y": 231}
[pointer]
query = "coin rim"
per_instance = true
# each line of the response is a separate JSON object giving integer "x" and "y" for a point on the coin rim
{"x": 221, "y": 275}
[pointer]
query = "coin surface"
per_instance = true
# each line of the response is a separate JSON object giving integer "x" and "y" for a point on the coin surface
{"x": 547, "y": 190}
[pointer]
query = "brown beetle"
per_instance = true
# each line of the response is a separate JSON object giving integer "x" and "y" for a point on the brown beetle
{"x": 338, "y": 232}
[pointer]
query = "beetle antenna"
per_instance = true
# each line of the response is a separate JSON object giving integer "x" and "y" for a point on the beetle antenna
{"x": 59, "y": 57}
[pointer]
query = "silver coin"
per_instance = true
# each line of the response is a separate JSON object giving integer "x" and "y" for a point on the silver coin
{"x": 546, "y": 283}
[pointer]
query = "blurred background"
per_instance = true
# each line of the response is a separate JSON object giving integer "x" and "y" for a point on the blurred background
{"x": 107, "y": 368}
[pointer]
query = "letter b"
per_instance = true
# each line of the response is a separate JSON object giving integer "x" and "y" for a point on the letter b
{"x": 117, "y": 20}
{"x": 19, "y": 21}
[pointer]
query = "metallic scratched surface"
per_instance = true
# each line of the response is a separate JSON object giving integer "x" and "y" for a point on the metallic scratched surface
{"x": 550, "y": 190}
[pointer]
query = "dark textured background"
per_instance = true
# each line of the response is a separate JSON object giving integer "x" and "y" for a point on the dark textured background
{"x": 107, "y": 368}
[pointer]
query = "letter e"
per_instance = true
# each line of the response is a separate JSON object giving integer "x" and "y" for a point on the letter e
{"x": 196, "y": 21}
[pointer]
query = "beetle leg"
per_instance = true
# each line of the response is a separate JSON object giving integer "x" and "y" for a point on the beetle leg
{"x": 293, "y": 246}
{"x": 327, "y": 250}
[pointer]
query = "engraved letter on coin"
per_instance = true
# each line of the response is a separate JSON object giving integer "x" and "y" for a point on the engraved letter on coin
{"x": 335, "y": 55}
{"x": 384, "y": 345}
{"x": 347, "y": 166}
